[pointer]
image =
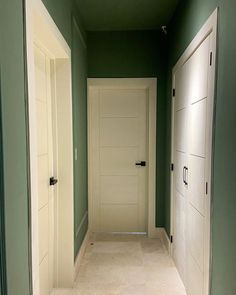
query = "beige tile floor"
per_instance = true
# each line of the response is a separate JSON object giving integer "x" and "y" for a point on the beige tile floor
{"x": 126, "y": 265}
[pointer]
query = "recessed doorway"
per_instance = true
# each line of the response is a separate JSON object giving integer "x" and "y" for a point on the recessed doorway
{"x": 122, "y": 147}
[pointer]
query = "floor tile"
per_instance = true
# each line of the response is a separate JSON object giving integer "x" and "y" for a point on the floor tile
{"x": 124, "y": 265}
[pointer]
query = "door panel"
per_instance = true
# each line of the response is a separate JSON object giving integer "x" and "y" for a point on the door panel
{"x": 181, "y": 130}
{"x": 182, "y": 87}
{"x": 44, "y": 277}
{"x": 45, "y": 168}
{"x": 43, "y": 176}
{"x": 195, "y": 279}
{"x": 197, "y": 136}
{"x": 198, "y": 72}
{"x": 118, "y": 161}
{"x": 190, "y": 129}
{"x": 196, "y": 236}
{"x": 179, "y": 246}
{"x": 180, "y": 163}
{"x": 121, "y": 102}
{"x": 43, "y": 233}
{"x": 42, "y": 128}
{"x": 113, "y": 192}
{"x": 118, "y": 142}
{"x": 119, "y": 218}
{"x": 196, "y": 180}
{"x": 112, "y": 132}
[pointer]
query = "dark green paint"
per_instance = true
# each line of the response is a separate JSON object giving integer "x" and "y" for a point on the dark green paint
{"x": 3, "y": 283}
{"x": 14, "y": 146}
{"x": 188, "y": 19}
{"x": 65, "y": 15}
{"x": 15, "y": 158}
{"x": 79, "y": 70}
{"x": 135, "y": 54}
{"x": 121, "y": 15}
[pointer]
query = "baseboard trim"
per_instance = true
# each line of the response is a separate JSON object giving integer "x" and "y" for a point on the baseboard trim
{"x": 80, "y": 254}
{"x": 160, "y": 233}
{"x": 166, "y": 240}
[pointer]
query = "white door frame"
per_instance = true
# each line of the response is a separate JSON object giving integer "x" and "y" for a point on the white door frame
{"x": 41, "y": 28}
{"x": 149, "y": 84}
{"x": 210, "y": 27}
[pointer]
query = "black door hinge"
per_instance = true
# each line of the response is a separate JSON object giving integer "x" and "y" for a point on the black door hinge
{"x": 211, "y": 55}
{"x": 171, "y": 239}
{"x": 173, "y": 93}
{"x": 172, "y": 167}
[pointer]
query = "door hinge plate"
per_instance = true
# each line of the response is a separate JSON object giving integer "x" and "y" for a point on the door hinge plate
{"x": 171, "y": 239}
{"x": 172, "y": 167}
{"x": 173, "y": 93}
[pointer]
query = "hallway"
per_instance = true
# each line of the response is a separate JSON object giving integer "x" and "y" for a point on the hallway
{"x": 126, "y": 264}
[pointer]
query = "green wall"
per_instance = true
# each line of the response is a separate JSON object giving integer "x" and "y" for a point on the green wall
{"x": 2, "y": 215}
{"x": 66, "y": 16}
{"x": 79, "y": 61}
{"x": 14, "y": 146}
{"x": 135, "y": 54}
{"x": 15, "y": 160}
{"x": 188, "y": 19}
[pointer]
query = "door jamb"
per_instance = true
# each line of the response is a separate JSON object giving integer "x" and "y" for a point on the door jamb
{"x": 150, "y": 84}
{"x": 210, "y": 27}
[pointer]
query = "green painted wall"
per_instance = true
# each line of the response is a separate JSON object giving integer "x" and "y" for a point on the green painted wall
{"x": 14, "y": 146}
{"x": 135, "y": 54}
{"x": 14, "y": 131}
{"x": 188, "y": 19}
{"x": 2, "y": 218}
{"x": 66, "y": 16}
{"x": 80, "y": 135}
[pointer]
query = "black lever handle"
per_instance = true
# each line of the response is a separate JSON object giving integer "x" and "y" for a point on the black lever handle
{"x": 186, "y": 175}
{"x": 53, "y": 181}
{"x": 141, "y": 163}
{"x": 185, "y": 172}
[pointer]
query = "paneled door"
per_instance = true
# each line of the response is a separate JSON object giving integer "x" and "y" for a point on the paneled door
{"x": 118, "y": 124}
{"x": 45, "y": 169}
{"x": 191, "y": 148}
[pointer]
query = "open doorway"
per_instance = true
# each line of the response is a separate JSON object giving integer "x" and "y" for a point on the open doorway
{"x": 51, "y": 151}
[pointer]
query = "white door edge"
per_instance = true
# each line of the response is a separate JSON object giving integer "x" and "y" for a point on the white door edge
{"x": 138, "y": 83}
{"x": 210, "y": 27}
{"x": 35, "y": 9}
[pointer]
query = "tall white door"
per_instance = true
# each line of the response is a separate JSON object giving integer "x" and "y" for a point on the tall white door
{"x": 45, "y": 169}
{"x": 191, "y": 126}
{"x": 118, "y": 159}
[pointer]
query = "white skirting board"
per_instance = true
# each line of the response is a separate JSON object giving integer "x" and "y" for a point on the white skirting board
{"x": 161, "y": 234}
{"x": 81, "y": 253}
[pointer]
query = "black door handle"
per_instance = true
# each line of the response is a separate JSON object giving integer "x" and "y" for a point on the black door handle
{"x": 186, "y": 175}
{"x": 53, "y": 181}
{"x": 141, "y": 163}
{"x": 185, "y": 171}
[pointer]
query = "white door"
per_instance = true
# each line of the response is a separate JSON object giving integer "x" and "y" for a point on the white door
{"x": 191, "y": 219}
{"x": 45, "y": 169}
{"x": 118, "y": 147}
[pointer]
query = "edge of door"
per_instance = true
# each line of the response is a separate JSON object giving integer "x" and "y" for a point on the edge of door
{"x": 143, "y": 83}
{"x": 3, "y": 279}
{"x": 210, "y": 27}
{"x": 30, "y": 7}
